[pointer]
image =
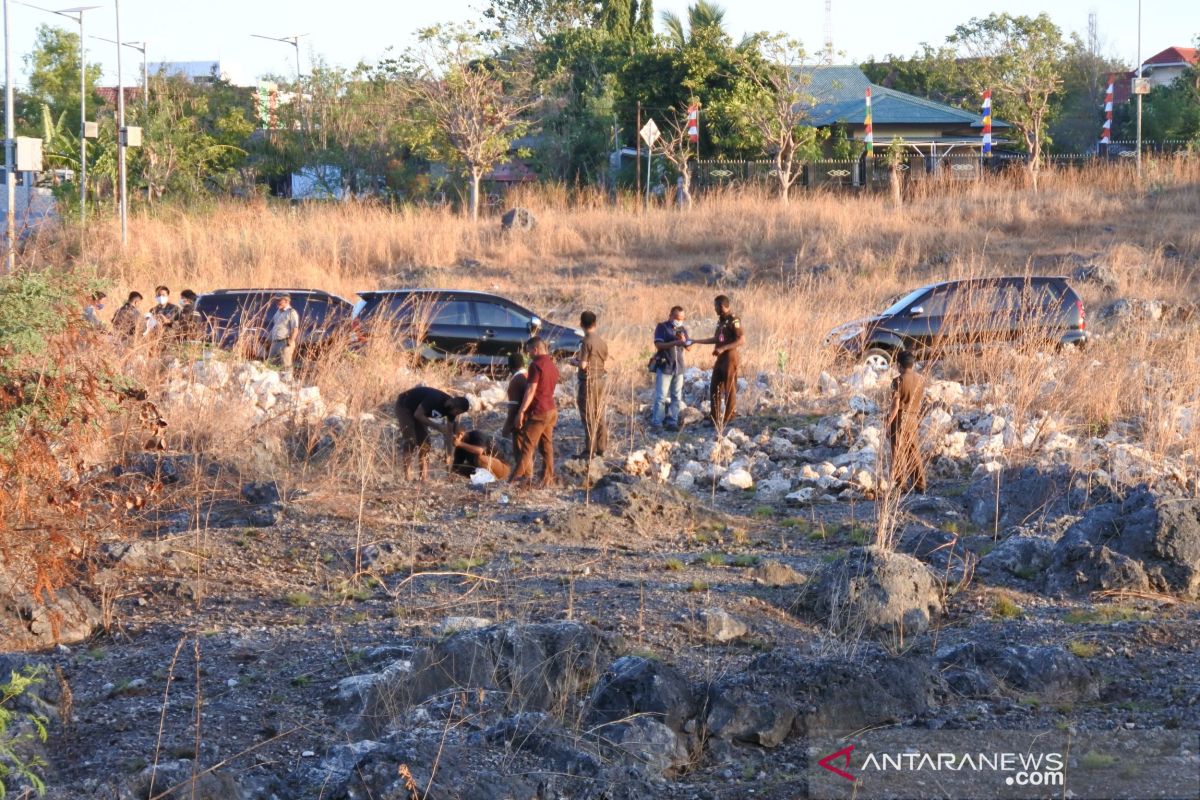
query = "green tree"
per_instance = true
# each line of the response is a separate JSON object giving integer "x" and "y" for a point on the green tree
{"x": 1020, "y": 59}
{"x": 53, "y": 67}
{"x": 701, "y": 62}
{"x": 467, "y": 109}
{"x": 1076, "y": 124}
{"x": 189, "y": 141}
{"x": 778, "y": 68}
{"x": 704, "y": 16}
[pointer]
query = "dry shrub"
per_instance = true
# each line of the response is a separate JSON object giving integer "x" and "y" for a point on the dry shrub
{"x": 59, "y": 390}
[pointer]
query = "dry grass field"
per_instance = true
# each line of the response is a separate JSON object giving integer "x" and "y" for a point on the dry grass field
{"x": 587, "y": 254}
{"x": 231, "y": 657}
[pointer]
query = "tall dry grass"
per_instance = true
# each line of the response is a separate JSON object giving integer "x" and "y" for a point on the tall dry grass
{"x": 587, "y": 254}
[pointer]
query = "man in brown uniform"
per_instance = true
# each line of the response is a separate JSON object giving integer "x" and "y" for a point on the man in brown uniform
{"x": 722, "y": 390}
{"x": 903, "y": 422}
{"x": 517, "y": 364}
{"x": 537, "y": 415}
{"x": 590, "y": 394}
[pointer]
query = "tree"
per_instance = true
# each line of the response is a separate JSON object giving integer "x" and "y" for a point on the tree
{"x": 778, "y": 69}
{"x": 1019, "y": 59}
{"x": 465, "y": 109}
{"x": 1085, "y": 71}
{"x": 180, "y": 150}
{"x": 526, "y": 23}
{"x": 53, "y": 67}
{"x": 702, "y": 16}
{"x": 676, "y": 147}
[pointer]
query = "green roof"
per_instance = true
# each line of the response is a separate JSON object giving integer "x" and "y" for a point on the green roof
{"x": 839, "y": 97}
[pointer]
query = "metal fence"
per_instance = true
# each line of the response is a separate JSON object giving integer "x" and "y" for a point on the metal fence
{"x": 875, "y": 172}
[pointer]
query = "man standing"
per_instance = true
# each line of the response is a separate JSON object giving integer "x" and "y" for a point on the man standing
{"x": 537, "y": 416}
{"x": 284, "y": 330}
{"x": 722, "y": 390}
{"x": 127, "y": 322}
{"x": 903, "y": 423}
{"x": 165, "y": 312}
{"x": 517, "y": 363}
{"x": 417, "y": 411}
{"x": 590, "y": 395}
{"x": 670, "y": 340}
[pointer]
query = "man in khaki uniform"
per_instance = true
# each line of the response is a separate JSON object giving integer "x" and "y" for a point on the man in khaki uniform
{"x": 903, "y": 423}
{"x": 590, "y": 394}
{"x": 284, "y": 330}
{"x": 722, "y": 389}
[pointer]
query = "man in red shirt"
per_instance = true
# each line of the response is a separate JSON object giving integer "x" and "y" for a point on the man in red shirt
{"x": 537, "y": 415}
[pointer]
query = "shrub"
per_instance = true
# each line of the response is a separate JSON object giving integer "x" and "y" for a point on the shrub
{"x": 18, "y": 730}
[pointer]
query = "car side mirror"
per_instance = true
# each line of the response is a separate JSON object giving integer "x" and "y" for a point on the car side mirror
{"x": 916, "y": 311}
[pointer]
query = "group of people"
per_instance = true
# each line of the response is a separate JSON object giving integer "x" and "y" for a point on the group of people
{"x": 533, "y": 413}
{"x": 532, "y": 416}
{"x": 169, "y": 320}
{"x": 164, "y": 317}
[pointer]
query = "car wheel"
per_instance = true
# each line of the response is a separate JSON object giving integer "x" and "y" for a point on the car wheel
{"x": 877, "y": 359}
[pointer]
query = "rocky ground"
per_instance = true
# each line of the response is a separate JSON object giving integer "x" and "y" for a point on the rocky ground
{"x": 682, "y": 626}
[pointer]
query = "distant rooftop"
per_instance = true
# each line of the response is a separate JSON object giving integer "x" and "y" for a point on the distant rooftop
{"x": 839, "y": 97}
{"x": 199, "y": 71}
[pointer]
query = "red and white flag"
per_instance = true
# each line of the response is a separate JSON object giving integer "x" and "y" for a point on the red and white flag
{"x": 693, "y": 123}
{"x": 1106, "y": 131}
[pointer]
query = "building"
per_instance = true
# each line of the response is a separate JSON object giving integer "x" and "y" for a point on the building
{"x": 200, "y": 71}
{"x": 926, "y": 127}
{"x": 1160, "y": 69}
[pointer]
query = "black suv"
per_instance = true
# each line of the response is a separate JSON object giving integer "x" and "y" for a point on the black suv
{"x": 953, "y": 315}
{"x": 473, "y": 327}
{"x": 239, "y": 318}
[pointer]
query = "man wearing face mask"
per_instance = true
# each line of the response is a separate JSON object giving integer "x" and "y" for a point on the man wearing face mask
{"x": 91, "y": 314}
{"x": 165, "y": 312}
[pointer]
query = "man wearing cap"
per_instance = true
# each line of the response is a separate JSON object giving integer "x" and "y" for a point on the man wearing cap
{"x": 284, "y": 330}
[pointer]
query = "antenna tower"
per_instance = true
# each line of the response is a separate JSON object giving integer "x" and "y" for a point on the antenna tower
{"x": 828, "y": 31}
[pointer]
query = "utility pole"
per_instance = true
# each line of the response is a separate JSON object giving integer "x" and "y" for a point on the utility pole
{"x": 637, "y": 160}
{"x": 10, "y": 235}
{"x": 1139, "y": 95}
{"x": 123, "y": 198}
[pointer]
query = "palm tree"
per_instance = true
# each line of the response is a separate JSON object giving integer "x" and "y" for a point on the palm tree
{"x": 704, "y": 14}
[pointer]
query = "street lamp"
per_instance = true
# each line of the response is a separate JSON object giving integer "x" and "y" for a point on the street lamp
{"x": 293, "y": 40}
{"x": 76, "y": 14}
{"x": 123, "y": 196}
{"x": 141, "y": 48}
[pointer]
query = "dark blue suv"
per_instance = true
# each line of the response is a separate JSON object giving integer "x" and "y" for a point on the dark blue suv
{"x": 473, "y": 327}
{"x": 954, "y": 315}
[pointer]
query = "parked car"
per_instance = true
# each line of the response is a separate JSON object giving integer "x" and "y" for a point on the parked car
{"x": 238, "y": 318}
{"x": 474, "y": 327}
{"x": 953, "y": 315}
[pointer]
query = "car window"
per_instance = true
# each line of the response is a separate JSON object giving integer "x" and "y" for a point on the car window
{"x": 902, "y": 305}
{"x": 935, "y": 304}
{"x": 452, "y": 312}
{"x": 496, "y": 315}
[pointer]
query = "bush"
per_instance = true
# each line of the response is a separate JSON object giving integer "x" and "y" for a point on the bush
{"x": 19, "y": 729}
{"x": 59, "y": 388}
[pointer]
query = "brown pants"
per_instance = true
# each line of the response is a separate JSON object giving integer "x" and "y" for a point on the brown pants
{"x": 908, "y": 470}
{"x": 536, "y": 434}
{"x": 722, "y": 391}
{"x": 590, "y": 398}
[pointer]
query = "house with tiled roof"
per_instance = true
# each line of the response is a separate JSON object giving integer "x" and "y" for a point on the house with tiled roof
{"x": 1161, "y": 69}
{"x": 838, "y": 99}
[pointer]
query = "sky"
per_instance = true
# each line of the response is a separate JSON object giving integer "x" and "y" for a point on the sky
{"x": 347, "y": 31}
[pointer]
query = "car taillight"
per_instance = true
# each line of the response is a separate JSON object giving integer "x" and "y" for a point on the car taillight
{"x": 1082, "y": 321}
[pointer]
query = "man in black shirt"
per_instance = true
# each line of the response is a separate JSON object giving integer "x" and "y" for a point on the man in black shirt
{"x": 418, "y": 410}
